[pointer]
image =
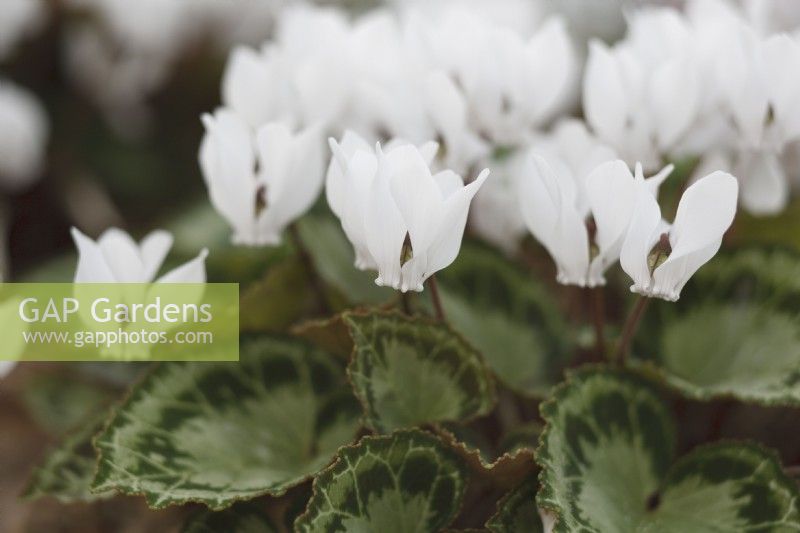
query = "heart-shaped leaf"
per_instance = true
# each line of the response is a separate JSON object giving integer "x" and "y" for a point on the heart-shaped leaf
{"x": 219, "y": 432}
{"x": 517, "y": 512}
{"x": 243, "y": 517}
{"x": 508, "y": 317}
{"x": 606, "y": 455}
{"x": 411, "y": 371}
{"x": 406, "y": 481}
{"x": 752, "y": 355}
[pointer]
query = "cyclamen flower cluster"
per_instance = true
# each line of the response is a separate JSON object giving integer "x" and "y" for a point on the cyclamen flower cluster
{"x": 445, "y": 75}
{"x": 386, "y": 78}
{"x": 703, "y": 83}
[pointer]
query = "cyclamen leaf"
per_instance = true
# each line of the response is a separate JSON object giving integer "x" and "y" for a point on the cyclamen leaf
{"x": 753, "y": 355}
{"x": 606, "y": 452}
{"x": 67, "y": 472}
{"x": 411, "y": 371}
{"x": 60, "y": 404}
{"x": 215, "y": 433}
{"x": 240, "y": 518}
{"x": 278, "y": 300}
{"x": 517, "y": 512}
{"x": 766, "y": 277}
{"x": 510, "y": 319}
{"x": 409, "y": 481}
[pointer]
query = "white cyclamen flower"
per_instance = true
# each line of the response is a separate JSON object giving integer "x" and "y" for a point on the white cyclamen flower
{"x": 116, "y": 258}
{"x": 260, "y": 181}
{"x": 23, "y": 135}
{"x": 385, "y": 197}
{"x": 641, "y": 96}
{"x": 583, "y": 237}
{"x": 660, "y": 259}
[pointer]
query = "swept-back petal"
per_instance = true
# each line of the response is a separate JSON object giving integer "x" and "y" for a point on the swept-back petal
{"x": 604, "y": 93}
{"x": 92, "y": 266}
{"x": 764, "y": 186}
{"x": 153, "y": 249}
{"x": 705, "y": 212}
{"x": 193, "y": 271}
{"x": 335, "y": 185}
{"x": 227, "y": 159}
{"x": 121, "y": 254}
{"x": 553, "y": 219}
{"x": 445, "y": 247}
{"x": 611, "y": 193}
{"x": 385, "y": 228}
{"x": 297, "y": 181}
{"x": 640, "y": 237}
{"x": 416, "y": 194}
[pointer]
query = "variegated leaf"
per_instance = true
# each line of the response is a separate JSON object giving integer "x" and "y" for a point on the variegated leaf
{"x": 606, "y": 457}
{"x": 67, "y": 472}
{"x": 517, "y": 512}
{"x": 411, "y": 371}
{"x": 219, "y": 432}
{"x": 243, "y": 517}
{"x": 508, "y": 317}
{"x": 753, "y": 354}
{"x": 409, "y": 481}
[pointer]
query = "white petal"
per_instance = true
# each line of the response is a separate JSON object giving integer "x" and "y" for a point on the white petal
{"x": 654, "y": 182}
{"x": 705, "y": 212}
{"x": 765, "y": 189}
{"x": 227, "y": 159}
{"x": 361, "y": 172}
{"x": 293, "y": 178}
{"x": 448, "y": 182}
{"x": 92, "y": 266}
{"x": 153, "y": 250}
{"x": 552, "y": 65}
{"x": 445, "y": 247}
{"x": 252, "y": 84}
{"x": 781, "y": 64}
{"x": 121, "y": 254}
{"x": 193, "y": 271}
{"x": 605, "y": 96}
{"x": 642, "y": 234}
{"x": 385, "y": 229}
{"x": 674, "y": 94}
{"x": 416, "y": 194}
{"x": 335, "y": 180}
{"x": 612, "y": 193}
{"x": 553, "y": 220}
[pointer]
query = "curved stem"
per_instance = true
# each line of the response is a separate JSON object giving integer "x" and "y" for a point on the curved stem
{"x": 629, "y": 330}
{"x": 311, "y": 269}
{"x": 599, "y": 317}
{"x": 437, "y": 301}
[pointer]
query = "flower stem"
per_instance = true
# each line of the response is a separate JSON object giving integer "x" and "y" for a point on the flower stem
{"x": 598, "y": 315}
{"x": 437, "y": 301}
{"x": 405, "y": 303}
{"x": 629, "y": 330}
{"x": 311, "y": 269}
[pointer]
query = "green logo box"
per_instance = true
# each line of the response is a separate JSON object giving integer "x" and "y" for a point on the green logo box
{"x": 119, "y": 321}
